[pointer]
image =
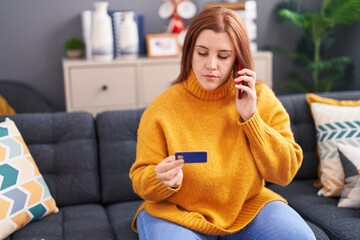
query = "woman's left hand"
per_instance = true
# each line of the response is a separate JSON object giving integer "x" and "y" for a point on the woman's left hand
{"x": 246, "y": 104}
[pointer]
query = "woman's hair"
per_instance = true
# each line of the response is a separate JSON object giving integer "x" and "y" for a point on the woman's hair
{"x": 219, "y": 20}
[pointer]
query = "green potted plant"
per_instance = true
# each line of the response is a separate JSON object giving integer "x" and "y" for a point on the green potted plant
{"x": 74, "y": 47}
{"x": 319, "y": 36}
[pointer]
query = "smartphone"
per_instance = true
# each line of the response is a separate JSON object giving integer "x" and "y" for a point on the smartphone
{"x": 192, "y": 156}
{"x": 238, "y": 68}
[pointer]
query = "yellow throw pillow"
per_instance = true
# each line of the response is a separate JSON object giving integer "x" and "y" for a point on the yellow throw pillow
{"x": 313, "y": 98}
{"x": 5, "y": 108}
{"x": 336, "y": 121}
{"x": 24, "y": 194}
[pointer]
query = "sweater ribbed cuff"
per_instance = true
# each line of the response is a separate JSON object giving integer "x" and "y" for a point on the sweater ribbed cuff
{"x": 255, "y": 128}
{"x": 160, "y": 190}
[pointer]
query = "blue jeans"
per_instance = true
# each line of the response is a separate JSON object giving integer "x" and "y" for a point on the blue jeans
{"x": 276, "y": 220}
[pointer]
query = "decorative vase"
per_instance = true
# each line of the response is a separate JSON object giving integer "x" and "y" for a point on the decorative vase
{"x": 117, "y": 21}
{"x": 86, "y": 17}
{"x": 129, "y": 36}
{"x": 102, "y": 38}
{"x": 250, "y": 17}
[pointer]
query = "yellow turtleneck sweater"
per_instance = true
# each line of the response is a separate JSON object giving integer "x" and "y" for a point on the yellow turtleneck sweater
{"x": 223, "y": 195}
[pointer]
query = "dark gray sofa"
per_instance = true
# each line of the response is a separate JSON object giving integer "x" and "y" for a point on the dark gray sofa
{"x": 85, "y": 162}
{"x": 23, "y": 97}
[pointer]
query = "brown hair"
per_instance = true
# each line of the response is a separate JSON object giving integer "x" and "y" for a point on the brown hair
{"x": 219, "y": 20}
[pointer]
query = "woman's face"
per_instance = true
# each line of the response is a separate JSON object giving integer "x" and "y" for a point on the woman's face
{"x": 213, "y": 59}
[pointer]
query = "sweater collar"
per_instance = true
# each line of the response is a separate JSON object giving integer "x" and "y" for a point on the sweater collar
{"x": 194, "y": 87}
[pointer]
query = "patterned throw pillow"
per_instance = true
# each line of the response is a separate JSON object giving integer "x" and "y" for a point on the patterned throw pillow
{"x": 24, "y": 195}
{"x": 336, "y": 122}
{"x": 350, "y": 160}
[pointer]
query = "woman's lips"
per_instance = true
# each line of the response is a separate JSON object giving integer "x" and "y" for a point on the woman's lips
{"x": 210, "y": 77}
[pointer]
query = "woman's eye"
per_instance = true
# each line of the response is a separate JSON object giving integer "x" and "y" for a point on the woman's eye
{"x": 202, "y": 53}
{"x": 222, "y": 57}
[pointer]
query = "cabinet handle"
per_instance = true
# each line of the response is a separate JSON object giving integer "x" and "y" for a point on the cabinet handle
{"x": 104, "y": 87}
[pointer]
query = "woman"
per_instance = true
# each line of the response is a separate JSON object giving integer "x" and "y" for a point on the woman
{"x": 247, "y": 138}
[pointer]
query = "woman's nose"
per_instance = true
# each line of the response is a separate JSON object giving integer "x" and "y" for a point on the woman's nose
{"x": 211, "y": 64}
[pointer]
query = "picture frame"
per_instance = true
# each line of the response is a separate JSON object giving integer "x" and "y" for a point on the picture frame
{"x": 162, "y": 45}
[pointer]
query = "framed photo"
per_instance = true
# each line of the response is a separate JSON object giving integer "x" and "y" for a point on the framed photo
{"x": 162, "y": 45}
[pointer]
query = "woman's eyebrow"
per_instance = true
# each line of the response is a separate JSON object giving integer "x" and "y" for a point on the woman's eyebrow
{"x": 201, "y": 46}
{"x": 223, "y": 50}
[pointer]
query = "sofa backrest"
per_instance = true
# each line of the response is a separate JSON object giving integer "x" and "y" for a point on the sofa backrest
{"x": 304, "y": 130}
{"x": 23, "y": 97}
{"x": 117, "y": 135}
{"x": 64, "y": 148}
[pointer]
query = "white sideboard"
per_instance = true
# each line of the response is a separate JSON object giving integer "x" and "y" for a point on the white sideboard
{"x": 96, "y": 86}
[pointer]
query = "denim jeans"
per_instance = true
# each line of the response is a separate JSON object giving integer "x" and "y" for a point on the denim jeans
{"x": 276, "y": 220}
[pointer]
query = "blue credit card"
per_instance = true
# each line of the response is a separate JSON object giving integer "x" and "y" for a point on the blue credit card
{"x": 192, "y": 156}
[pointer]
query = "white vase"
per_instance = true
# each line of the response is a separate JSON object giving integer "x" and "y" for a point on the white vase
{"x": 129, "y": 35}
{"x": 86, "y": 19}
{"x": 102, "y": 37}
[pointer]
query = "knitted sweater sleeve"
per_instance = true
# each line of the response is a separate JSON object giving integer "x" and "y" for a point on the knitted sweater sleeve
{"x": 277, "y": 156}
{"x": 150, "y": 151}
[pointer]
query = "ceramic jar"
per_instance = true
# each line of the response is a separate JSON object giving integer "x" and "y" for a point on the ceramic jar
{"x": 129, "y": 35}
{"x": 101, "y": 35}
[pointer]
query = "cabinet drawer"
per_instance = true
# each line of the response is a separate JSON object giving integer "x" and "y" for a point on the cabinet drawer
{"x": 263, "y": 67}
{"x": 157, "y": 78}
{"x": 102, "y": 86}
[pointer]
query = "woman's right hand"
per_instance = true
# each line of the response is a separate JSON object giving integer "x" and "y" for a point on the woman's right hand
{"x": 169, "y": 171}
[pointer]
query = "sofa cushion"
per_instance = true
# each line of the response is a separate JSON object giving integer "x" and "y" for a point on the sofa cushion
{"x": 336, "y": 122}
{"x": 334, "y": 125}
{"x": 318, "y": 232}
{"x": 117, "y": 135}
{"x": 24, "y": 194}
{"x": 337, "y": 223}
{"x": 87, "y": 221}
{"x": 64, "y": 147}
{"x": 120, "y": 217}
{"x": 302, "y": 125}
{"x": 350, "y": 161}
{"x": 314, "y": 98}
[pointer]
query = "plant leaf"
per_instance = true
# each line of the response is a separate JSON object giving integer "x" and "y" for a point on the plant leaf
{"x": 300, "y": 20}
{"x": 319, "y": 36}
{"x": 292, "y": 5}
{"x": 333, "y": 64}
{"x": 341, "y": 12}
